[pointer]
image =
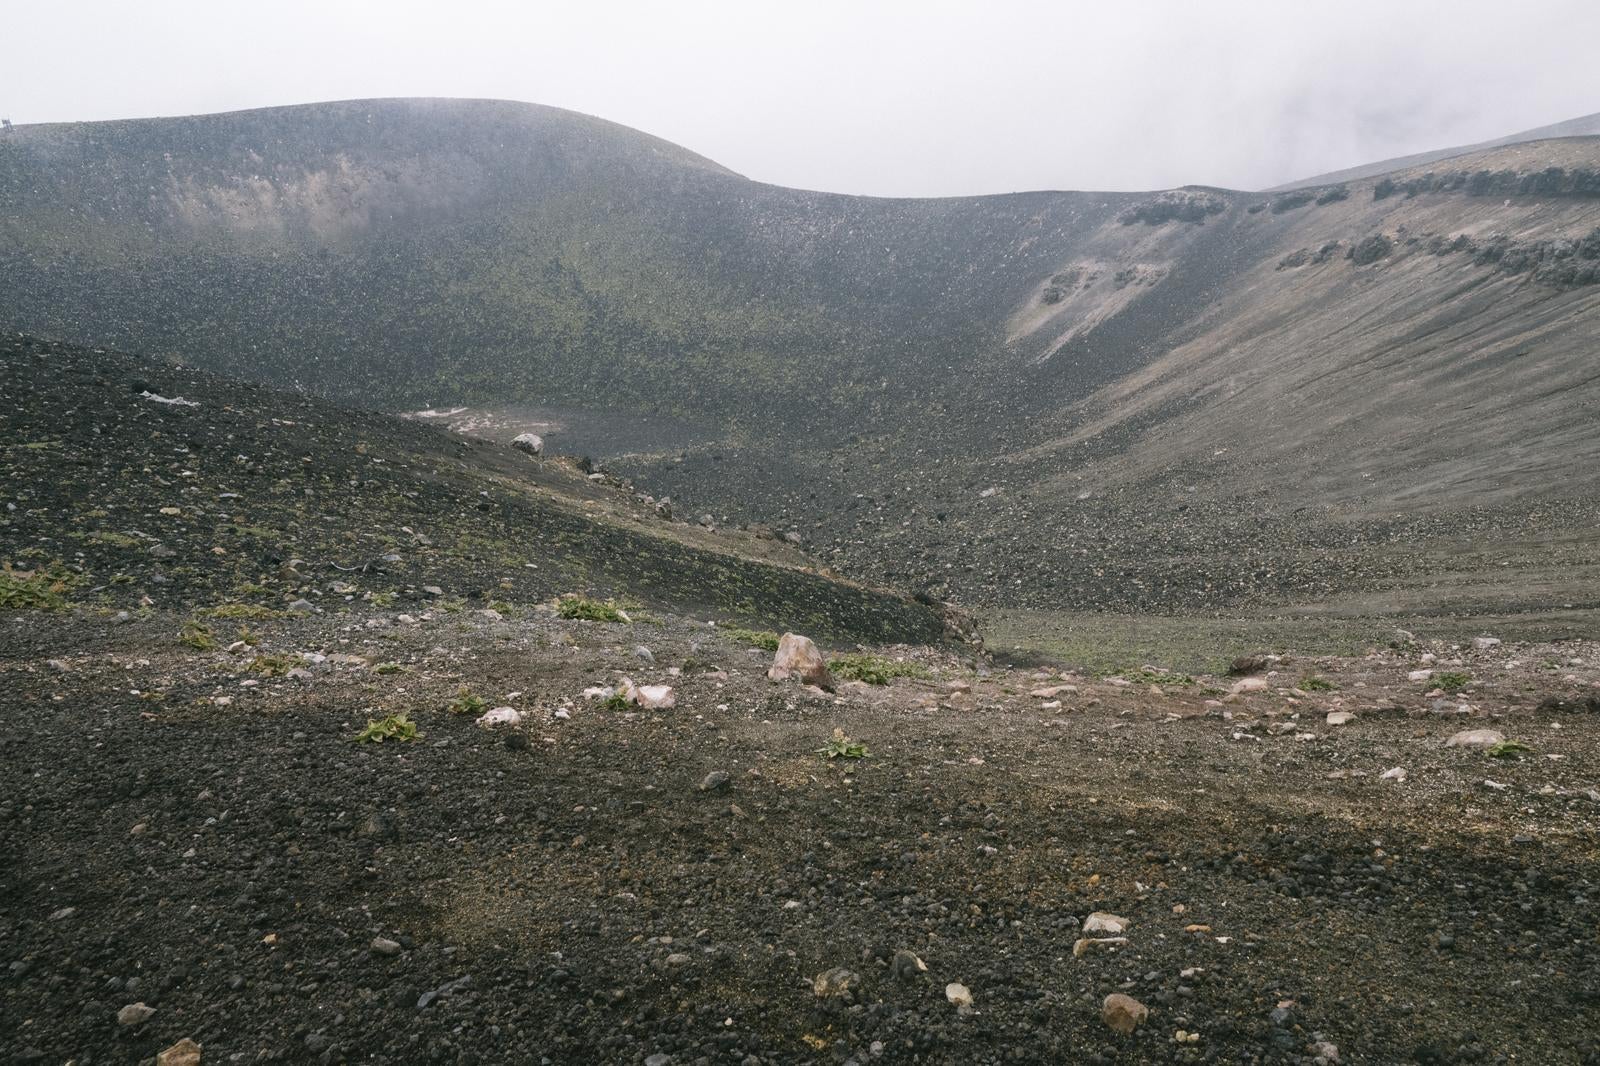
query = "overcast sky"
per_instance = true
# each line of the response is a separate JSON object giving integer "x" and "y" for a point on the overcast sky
{"x": 905, "y": 99}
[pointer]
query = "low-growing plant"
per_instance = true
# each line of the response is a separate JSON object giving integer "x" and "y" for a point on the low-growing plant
{"x": 272, "y": 665}
{"x": 197, "y": 635}
{"x": 840, "y": 746}
{"x": 392, "y": 727}
{"x": 1507, "y": 749}
{"x": 1451, "y": 682}
{"x": 383, "y": 599}
{"x": 765, "y": 639}
{"x": 389, "y": 668}
{"x": 583, "y": 609}
{"x": 616, "y": 702}
{"x": 246, "y": 636}
{"x": 467, "y": 703}
{"x": 874, "y": 669}
{"x": 1316, "y": 684}
{"x": 32, "y": 590}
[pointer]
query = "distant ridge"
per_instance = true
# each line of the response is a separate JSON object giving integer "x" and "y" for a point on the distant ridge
{"x": 1586, "y": 126}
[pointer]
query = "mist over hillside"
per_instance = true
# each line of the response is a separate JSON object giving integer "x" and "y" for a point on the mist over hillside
{"x": 1186, "y": 399}
{"x": 482, "y": 584}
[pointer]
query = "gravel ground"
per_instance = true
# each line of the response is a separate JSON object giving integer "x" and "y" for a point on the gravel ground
{"x": 180, "y": 831}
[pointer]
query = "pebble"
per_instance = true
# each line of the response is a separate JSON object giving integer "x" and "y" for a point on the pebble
{"x": 1476, "y": 738}
{"x": 184, "y": 1053}
{"x": 715, "y": 781}
{"x": 385, "y": 946}
{"x": 1123, "y": 1013}
{"x": 135, "y": 1014}
{"x": 906, "y": 966}
{"x": 1084, "y": 945}
{"x": 959, "y": 995}
{"x": 834, "y": 982}
{"x": 1103, "y": 922}
{"x": 1340, "y": 718}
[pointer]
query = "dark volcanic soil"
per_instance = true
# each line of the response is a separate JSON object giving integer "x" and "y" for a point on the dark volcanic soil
{"x": 200, "y": 607}
{"x": 178, "y": 830}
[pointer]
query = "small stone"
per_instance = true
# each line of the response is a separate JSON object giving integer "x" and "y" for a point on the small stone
{"x": 959, "y": 995}
{"x": 184, "y": 1053}
{"x": 834, "y": 982}
{"x": 135, "y": 1014}
{"x": 644, "y": 654}
{"x": 660, "y": 1058}
{"x": 1340, "y": 718}
{"x": 1102, "y": 922}
{"x": 385, "y": 946}
{"x": 1397, "y": 775}
{"x": 1247, "y": 664}
{"x": 1123, "y": 1013}
{"x": 1249, "y": 684}
{"x": 302, "y": 607}
{"x": 655, "y": 697}
{"x": 1485, "y": 643}
{"x": 1085, "y": 945}
{"x": 530, "y": 443}
{"x": 1476, "y": 738}
{"x": 678, "y": 958}
{"x": 715, "y": 781}
{"x": 1324, "y": 1052}
{"x": 906, "y": 966}
{"x": 1419, "y": 675}
{"x": 500, "y": 718}
{"x": 63, "y": 914}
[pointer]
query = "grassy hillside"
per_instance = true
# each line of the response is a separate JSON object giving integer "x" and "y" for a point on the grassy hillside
{"x": 422, "y": 251}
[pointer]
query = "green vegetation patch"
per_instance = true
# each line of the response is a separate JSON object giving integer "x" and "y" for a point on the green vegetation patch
{"x": 392, "y": 727}
{"x": 874, "y": 669}
{"x": 390, "y": 668}
{"x": 465, "y": 702}
{"x": 1451, "y": 682}
{"x": 840, "y": 746}
{"x": 1316, "y": 684}
{"x": 586, "y": 610}
{"x": 272, "y": 665}
{"x": 1509, "y": 749}
{"x": 765, "y": 639}
{"x": 197, "y": 635}
{"x": 34, "y": 590}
